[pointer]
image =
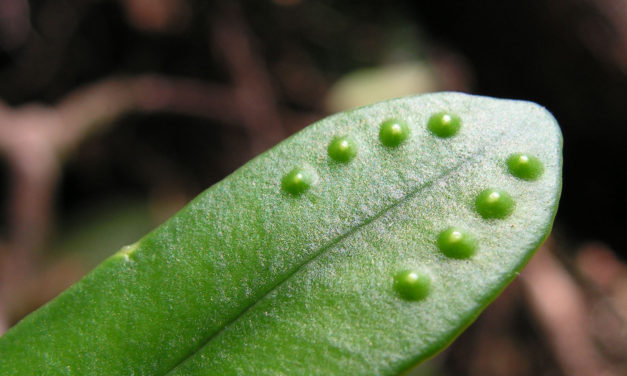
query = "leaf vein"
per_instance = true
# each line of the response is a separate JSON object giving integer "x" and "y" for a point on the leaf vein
{"x": 473, "y": 158}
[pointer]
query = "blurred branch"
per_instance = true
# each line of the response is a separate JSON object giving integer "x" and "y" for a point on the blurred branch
{"x": 14, "y": 23}
{"x": 560, "y": 308}
{"x": 34, "y": 139}
{"x": 158, "y": 15}
{"x": 4, "y": 323}
{"x": 97, "y": 105}
{"x": 606, "y": 34}
{"x": 253, "y": 86}
{"x": 46, "y": 40}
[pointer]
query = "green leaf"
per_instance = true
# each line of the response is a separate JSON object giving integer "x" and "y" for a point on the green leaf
{"x": 300, "y": 263}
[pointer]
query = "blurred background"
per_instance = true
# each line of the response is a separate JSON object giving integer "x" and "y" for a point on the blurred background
{"x": 115, "y": 113}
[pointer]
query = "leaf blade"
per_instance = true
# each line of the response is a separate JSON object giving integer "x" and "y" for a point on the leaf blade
{"x": 213, "y": 266}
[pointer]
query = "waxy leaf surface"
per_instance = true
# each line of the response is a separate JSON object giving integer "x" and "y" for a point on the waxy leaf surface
{"x": 364, "y": 256}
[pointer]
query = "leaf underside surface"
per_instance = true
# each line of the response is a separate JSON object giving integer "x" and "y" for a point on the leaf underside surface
{"x": 250, "y": 278}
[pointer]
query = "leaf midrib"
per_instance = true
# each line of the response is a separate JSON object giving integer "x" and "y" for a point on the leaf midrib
{"x": 475, "y": 157}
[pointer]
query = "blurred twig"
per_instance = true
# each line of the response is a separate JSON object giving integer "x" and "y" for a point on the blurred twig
{"x": 253, "y": 87}
{"x": 42, "y": 44}
{"x": 606, "y": 33}
{"x": 35, "y": 138}
{"x": 560, "y": 308}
